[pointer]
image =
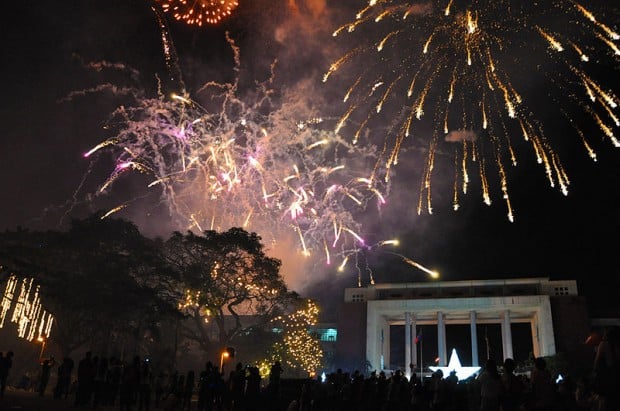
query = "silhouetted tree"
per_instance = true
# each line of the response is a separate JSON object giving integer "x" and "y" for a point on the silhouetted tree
{"x": 228, "y": 281}
{"x": 101, "y": 279}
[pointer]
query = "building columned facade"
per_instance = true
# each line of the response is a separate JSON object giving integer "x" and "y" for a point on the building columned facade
{"x": 549, "y": 309}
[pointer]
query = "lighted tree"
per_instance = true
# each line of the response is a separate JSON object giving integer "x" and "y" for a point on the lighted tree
{"x": 299, "y": 349}
{"x": 22, "y": 296}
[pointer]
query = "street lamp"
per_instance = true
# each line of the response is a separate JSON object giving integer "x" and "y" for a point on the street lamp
{"x": 229, "y": 352}
{"x": 42, "y": 340}
{"x": 224, "y": 355}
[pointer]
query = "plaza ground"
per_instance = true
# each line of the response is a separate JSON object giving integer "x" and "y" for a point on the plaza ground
{"x": 20, "y": 400}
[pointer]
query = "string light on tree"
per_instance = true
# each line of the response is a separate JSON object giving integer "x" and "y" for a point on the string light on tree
{"x": 28, "y": 313}
{"x": 299, "y": 349}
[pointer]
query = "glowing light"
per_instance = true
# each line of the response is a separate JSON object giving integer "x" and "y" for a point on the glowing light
{"x": 300, "y": 349}
{"x": 433, "y": 274}
{"x": 462, "y": 373}
{"x": 254, "y": 163}
{"x": 28, "y": 313}
{"x": 199, "y": 12}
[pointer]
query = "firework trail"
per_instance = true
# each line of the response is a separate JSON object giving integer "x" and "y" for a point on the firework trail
{"x": 461, "y": 72}
{"x": 170, "y": 53}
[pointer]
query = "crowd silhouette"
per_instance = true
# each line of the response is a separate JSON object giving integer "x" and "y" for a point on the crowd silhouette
{"x": 101, "y": 382}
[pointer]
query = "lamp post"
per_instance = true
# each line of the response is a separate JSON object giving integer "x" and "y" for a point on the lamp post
{"x": 42, "y": 340}
{"x": 225, "y": 354}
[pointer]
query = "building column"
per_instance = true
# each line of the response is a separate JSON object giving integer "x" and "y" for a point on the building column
{"x": 546, "y": 336}
{"x": 381, "y": 349}
{"x": 507, "y": 335}
{"x": 474, "y": 339}
{"x": 385, "y": 330}
{"x": 414, "y": 335}
{"x": 374, "y": 341}
{"x": 441, "y": 340}
{"x": 407, "y": 344}
{"x": 535, "y": 337}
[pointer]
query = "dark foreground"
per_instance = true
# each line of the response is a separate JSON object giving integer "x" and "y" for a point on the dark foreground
{"x": 20, "y": 400}
{"x": 308, "y": 395}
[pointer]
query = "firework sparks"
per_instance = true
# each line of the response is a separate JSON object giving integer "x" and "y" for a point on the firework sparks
{"x": 462, "y": 69}
{"x": 245, "y": 162}
{"x": 362, "y": 266}
{"x": 199, "y": 12}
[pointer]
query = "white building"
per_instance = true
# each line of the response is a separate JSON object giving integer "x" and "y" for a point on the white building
{"x": 552, "y": 309}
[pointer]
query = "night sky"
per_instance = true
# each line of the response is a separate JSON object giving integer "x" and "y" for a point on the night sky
{"x": 46, "y": 44}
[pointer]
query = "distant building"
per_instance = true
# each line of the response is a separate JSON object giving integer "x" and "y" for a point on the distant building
{"x": 327, "y": 334}
{"x": 551, "y": 312}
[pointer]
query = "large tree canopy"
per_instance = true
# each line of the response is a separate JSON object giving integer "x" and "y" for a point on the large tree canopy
{"x": 107, "y": 286}
{"x": 97, "y": 278}
{"x": 229, "y": 281}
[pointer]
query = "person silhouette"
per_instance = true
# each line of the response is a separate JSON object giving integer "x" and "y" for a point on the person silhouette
{"x": 491, "y": 387}
{"x": 63, "y": 384}
{"x": 514, "y": 388}
{"x": 606, "y": 370}
{"x": 46, "y": 369}
{"x": 6, "y": 363}
{"x": 542, "y": 386}
{"x": 85, "y": 380}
